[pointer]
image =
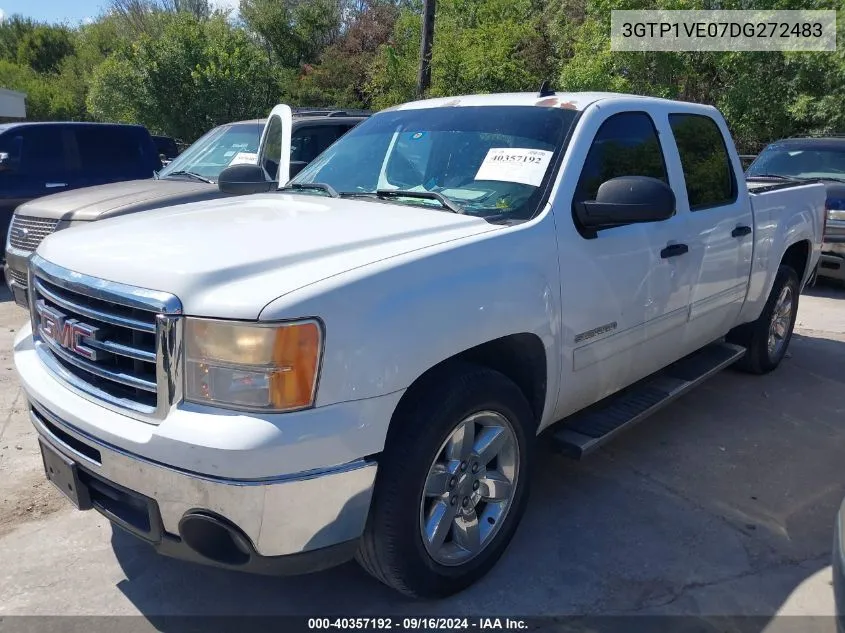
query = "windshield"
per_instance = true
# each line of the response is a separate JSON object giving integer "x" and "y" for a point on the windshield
{"x": 800, "y": 162}
{"x": 214, "y": 151}
{"x": 487, "y": 160}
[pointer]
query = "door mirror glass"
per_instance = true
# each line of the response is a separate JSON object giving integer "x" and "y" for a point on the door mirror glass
{"x": 242, "y": 180}
{"x": 627, "y": 200}
{"x": 5, "y": 162}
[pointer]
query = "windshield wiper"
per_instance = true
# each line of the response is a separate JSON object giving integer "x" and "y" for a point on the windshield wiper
{"x": 190, "y": 174}
{"x": 398, "y": 193}
{"x": 321, "y": 186}
{"x": 833, "y": 178}
{"x": 776, "y": 176}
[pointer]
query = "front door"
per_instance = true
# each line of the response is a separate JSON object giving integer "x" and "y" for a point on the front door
{"x": 625, "y": 289}
{"x": 274, "y": 149}
{"x": 36, "y": 165}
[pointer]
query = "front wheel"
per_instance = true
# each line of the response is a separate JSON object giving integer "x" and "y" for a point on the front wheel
{"x": 452, "y": 483}
{"x": 767, "y": 338}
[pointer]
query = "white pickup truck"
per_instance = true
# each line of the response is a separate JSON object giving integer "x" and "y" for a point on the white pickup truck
{"x": 357, "y": 365}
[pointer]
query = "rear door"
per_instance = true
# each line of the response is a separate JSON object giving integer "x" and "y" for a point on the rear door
{"x": 107, "y": 154}
{"x": 720, "y": 224}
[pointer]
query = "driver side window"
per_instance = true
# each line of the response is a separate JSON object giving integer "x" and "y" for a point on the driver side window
{"x": 626, "y": 144}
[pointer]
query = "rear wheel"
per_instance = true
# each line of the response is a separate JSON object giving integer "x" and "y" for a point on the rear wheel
{"x": 452, "y": 483}
{"x": 767, "y": 338}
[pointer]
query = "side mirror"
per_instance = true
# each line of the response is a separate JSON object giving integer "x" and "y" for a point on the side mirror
{"x": 627, "y": 200}
{"x": 297, "y": 166}
{"x": 240, "y": 180}
{"x": 5, "y": 162}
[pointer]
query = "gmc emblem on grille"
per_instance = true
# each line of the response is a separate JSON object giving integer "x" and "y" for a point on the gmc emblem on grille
{"x": 68, "y": 333}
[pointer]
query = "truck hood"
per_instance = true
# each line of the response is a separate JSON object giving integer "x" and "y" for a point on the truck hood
{"x": 229, "y": 258}
{"x": 93, "y": 203}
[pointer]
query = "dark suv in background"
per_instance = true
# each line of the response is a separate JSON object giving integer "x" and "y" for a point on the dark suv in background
{"x": 39, "y": 159}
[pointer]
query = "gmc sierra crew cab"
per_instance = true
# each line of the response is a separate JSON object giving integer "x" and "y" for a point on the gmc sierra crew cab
{"x": 358, "y": 364}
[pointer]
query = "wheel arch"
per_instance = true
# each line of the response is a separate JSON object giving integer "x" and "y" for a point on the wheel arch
{"x": 797, "y": 257}
{"x": 519, "y": 357}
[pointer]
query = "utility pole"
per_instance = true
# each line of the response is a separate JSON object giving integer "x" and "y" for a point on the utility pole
{"x": 424, "y": 76}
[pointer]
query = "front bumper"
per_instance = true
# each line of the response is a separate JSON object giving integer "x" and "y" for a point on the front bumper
{"x": 289, "y": 483}
{"x": 291, "y": 524}
{"x": 839, "y": 569}
{"x": 832, "y": 261}
{"x": 15, "y": 272}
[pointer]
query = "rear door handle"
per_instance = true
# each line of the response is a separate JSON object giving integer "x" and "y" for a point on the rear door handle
{"x": 673, "y": 250}
{"x": 53, "y": 185}
{"x": 741, "y": 231}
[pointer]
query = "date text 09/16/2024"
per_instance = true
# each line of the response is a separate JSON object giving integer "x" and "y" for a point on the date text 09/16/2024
{"x": 417, "y": 623}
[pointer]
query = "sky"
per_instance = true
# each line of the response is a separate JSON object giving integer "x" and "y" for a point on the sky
{"x": 67, "y": 11}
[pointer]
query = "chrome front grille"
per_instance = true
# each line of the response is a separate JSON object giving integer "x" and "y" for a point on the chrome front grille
{"x": 26, "y": 232}
{"x": 118, "y": 345}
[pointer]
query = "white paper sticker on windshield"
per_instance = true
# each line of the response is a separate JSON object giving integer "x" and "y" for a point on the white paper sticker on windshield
{"x": 244, "y": 158}
{"x": 514, "y": 164}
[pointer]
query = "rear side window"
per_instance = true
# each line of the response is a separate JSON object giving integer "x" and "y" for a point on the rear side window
{"x": 166, "y": 146}
{"x": 308, "y": 142}
{"x": 120, "y": 152}
{"x": 707, "y": 168}
{"x": 626, "y": 144}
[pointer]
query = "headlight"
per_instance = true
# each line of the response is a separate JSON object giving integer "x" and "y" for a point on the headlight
{"x": 836, "y": 214}
{"x": 270, "y": 367}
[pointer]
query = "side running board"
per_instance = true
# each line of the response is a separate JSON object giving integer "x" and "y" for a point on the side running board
{"x": 589, "y": 428}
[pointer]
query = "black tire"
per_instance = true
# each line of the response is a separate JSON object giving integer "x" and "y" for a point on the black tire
{"x": 392, "y": 548}
{"x": 755, "y": 336}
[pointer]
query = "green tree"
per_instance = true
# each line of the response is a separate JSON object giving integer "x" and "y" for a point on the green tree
{"x": 340, "y": 77}
{"x": 197, "y": 74}
{"x": 44, "y": 48}
{"x": 296, "y": 31}
{"x": 479, "y": 46}
{"x": 12, "y": 31}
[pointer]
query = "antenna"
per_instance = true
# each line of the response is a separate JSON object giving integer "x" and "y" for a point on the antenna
{"x": 545, "y": 89}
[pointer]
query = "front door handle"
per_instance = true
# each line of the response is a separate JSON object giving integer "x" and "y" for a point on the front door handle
{"x": 673, "y": 250}
{"x": 741, "y": 231}
{"x": 53, "y": 185}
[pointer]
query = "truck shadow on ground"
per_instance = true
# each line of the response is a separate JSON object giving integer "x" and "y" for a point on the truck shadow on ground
{"x": 721, "y": 504}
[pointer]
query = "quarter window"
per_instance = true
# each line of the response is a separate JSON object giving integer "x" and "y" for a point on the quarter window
{"x": 625, "y": 145}
{"x": 707, "y": 168}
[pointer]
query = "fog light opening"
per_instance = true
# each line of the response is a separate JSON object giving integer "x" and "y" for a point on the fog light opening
{"x": 214, "y": 539}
